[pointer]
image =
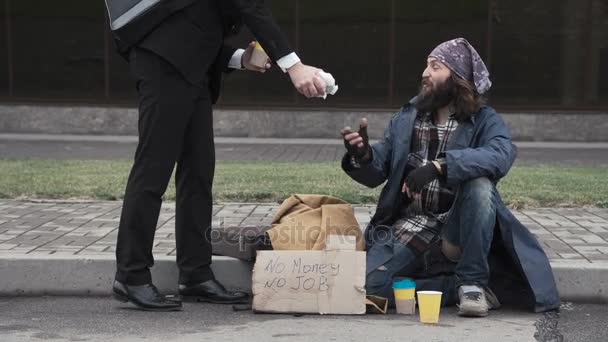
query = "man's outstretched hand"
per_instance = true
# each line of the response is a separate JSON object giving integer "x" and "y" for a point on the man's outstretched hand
{"x": 357, "y": 143}
{"x": 305, "y": 79}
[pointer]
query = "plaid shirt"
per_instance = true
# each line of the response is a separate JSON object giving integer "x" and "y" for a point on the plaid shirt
{"x": 421, "y": 219}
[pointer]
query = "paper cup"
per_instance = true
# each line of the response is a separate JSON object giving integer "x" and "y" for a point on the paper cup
{"x": 405, "y": 306}
{"x": 429, "y": 305}
{"x": 404, "y": 293}
{"x": 258, "y": 56}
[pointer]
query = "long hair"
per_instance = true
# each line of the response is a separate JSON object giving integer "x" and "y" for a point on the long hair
{"x": 466, "y": 100}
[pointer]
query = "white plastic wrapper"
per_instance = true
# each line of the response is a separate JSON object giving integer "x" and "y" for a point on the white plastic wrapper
{"x": 330, "y": 81}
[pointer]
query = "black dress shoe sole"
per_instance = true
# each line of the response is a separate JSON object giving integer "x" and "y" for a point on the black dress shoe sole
{"x": 120, "y": 297}
{"x": 124, "y": 299}
{"x": 202, "y": 299}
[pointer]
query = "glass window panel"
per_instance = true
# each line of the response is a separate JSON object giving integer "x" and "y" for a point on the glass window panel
{"x": 350, "y": 39}
{"x": 421, "y": 26}
{"x": 551, "y": 54}
{"x": 4, "y": 82}
{"x": 58, "y": 49}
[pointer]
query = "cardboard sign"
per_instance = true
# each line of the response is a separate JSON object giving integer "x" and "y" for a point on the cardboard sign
{"x": 324, "y": 282}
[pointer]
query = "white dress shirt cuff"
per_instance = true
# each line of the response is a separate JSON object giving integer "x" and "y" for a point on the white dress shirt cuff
{"x": 235, "y": 60}
{"x": 288, "y": 61}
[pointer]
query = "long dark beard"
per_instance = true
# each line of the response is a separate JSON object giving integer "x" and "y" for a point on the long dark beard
{"x": 436, "y": 98}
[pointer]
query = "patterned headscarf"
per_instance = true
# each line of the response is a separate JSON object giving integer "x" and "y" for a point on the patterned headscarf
{"x": 462, "y": 58}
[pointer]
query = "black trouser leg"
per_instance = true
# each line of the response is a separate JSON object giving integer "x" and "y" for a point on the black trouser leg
{"x": 166, "y": 104}
{"x": 194, "y": 204}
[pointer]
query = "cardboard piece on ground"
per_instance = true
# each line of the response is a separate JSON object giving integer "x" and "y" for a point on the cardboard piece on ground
{"x": 376, "y": 305}
{"x": 324, "y": 282}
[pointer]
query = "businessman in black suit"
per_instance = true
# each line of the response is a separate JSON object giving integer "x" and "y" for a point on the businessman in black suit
{"x": 177, "y": 56}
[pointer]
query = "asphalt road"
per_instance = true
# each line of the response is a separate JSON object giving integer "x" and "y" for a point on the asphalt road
{"x": 103, "y": 150}
{"x": 102, "y": 319}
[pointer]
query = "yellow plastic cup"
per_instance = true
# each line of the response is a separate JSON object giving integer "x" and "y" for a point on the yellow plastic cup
{"x": 429, "y": 305}
{"x": 404, "y": 293}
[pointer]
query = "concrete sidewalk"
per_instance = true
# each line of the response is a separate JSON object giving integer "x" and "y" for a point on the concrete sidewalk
{"x": 68, "y": 247}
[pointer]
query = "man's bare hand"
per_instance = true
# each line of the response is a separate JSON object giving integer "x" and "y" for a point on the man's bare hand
{"x": 305, "y": 79}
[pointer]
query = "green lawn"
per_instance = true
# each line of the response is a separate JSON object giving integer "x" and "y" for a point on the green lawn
{"x": 526, "y": 186}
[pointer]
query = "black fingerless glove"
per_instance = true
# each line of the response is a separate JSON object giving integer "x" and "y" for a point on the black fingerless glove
{"x": 359, "y": 152}
{"x": 421, "y": 176}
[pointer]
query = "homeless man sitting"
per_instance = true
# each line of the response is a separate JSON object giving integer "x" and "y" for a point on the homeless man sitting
{"x": 440, "y": 218}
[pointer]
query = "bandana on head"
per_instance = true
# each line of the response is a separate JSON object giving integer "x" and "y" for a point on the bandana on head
{"x": 462, "y": 58}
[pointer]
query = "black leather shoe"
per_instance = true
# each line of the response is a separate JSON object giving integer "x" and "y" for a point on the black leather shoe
{"x": 211, "y": 291}
{"x": 144, "y": 297}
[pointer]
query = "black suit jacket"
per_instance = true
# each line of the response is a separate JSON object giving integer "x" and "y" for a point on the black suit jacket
{"x": 191, "y": 36}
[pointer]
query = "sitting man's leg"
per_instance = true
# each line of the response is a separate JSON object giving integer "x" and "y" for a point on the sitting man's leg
{"x": 469, "y": 233}
{"x": 379, "y": 280}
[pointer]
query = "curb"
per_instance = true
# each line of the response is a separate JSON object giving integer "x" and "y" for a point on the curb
{"x": 92, "y": 276}
{"x": 581, "y": 281}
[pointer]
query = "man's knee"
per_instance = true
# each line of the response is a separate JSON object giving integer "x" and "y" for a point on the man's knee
{"x": 151, "y": 176}
{"x": 478, "y": 191}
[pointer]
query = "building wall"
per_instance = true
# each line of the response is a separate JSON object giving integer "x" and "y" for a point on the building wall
{"x": 292, "y": 123}
{"x": 544, "y": 55}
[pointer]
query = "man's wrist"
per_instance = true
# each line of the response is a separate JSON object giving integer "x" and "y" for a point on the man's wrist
{"x": 293, "y": 67}
{"x": 236, "y": 61}
{"x": 288, "y": 61}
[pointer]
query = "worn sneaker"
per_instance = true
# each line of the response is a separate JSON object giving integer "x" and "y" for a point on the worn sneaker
{"x": 476, "y": 301}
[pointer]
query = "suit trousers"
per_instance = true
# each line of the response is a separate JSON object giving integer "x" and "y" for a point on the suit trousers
{"x": 175, "y": 128}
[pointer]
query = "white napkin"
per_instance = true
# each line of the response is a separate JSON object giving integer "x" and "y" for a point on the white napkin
{"x": 330, "y": 82}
